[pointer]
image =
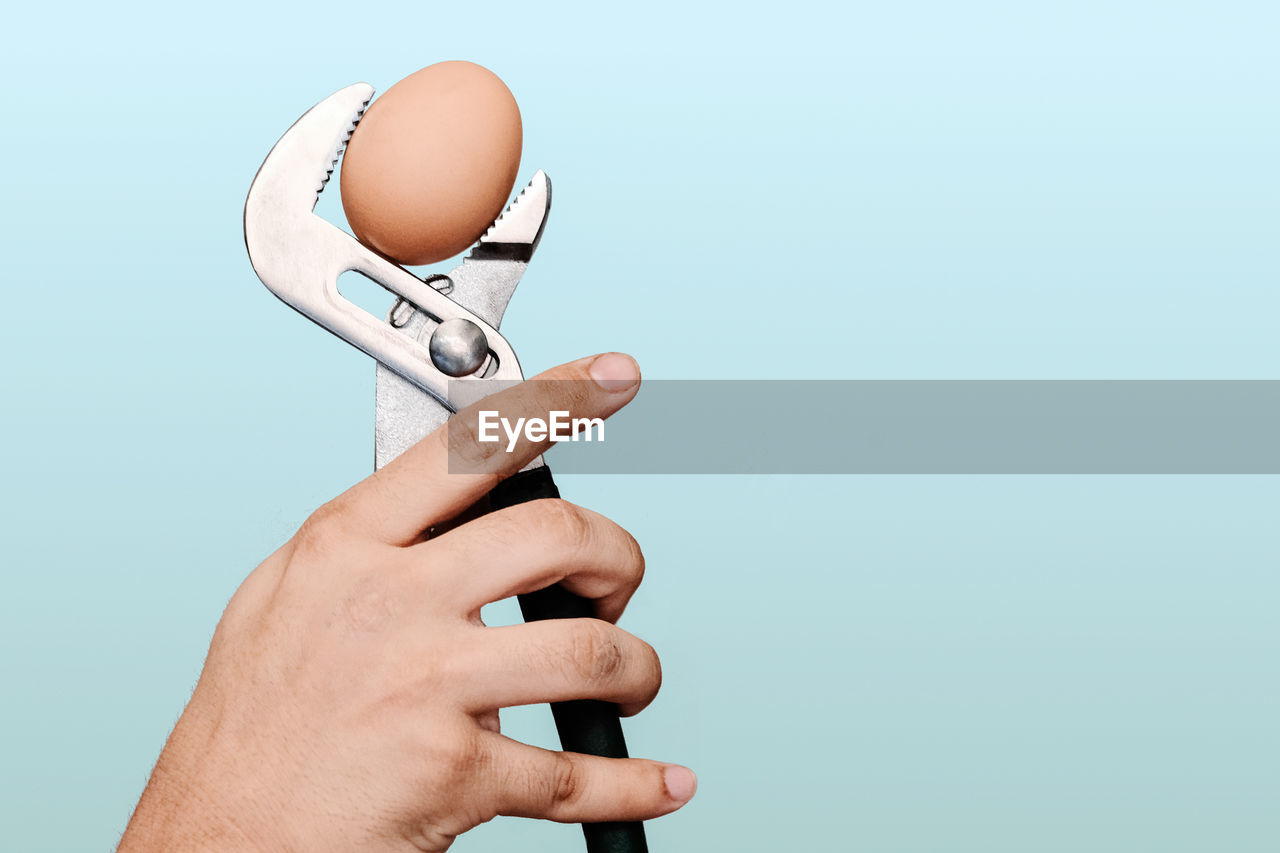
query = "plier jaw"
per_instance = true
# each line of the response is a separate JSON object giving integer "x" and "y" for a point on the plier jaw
{"x": 438, "y": 331}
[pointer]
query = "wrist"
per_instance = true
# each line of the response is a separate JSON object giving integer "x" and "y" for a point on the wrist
{"x": 183, "y": 808}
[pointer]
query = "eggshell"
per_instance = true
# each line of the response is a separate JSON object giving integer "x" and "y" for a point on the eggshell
{"x": 432, "y": 162}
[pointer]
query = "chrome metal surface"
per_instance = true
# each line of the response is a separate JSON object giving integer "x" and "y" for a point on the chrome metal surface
{"x": 458, "y": 347}
{"x": 299, "y": 256}
{"x": 482, "y": 283}
{"x": 488, "y": 275}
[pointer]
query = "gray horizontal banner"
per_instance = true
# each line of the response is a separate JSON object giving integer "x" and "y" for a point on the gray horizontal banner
{"x": 917, "y": 427}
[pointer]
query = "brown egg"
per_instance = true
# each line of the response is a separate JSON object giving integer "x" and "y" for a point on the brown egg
{"x": 432, "y": 162}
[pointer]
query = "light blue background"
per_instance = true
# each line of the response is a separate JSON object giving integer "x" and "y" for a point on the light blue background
{"x": 917, "y": 189}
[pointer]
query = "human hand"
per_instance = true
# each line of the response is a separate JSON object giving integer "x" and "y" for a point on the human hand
{"x": 351, "y": 693}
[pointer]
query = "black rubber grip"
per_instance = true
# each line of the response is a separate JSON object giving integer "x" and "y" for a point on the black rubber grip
{"x": 585, "y": 725}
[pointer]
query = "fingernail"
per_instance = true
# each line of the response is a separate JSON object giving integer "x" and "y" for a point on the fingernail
{"x": 680, "y": 782}
{"x": 614, "y": 371}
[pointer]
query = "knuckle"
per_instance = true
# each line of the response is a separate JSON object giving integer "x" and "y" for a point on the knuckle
{"x": 462, "y": 442}
{"x": 570, "y": 523}
{"x": 566, "y": 780}
{"x": 596, "y": 651}
{"x": 455, "y": 760}
{"x": 652, "y": 663}
{"x": 467, "y": 759}
{"x": 430, "y": 835}
{"x": 576, "y": 396}
{"x": 636, "y": 562}
{"x": 652, "y": 671}
{"x": 322, "y": 529}
{"x": 252, "y": 599}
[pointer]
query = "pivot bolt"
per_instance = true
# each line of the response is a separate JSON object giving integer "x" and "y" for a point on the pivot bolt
{"x": 458, "y": 347}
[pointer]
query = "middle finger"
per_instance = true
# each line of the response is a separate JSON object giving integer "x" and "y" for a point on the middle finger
{"x": 531, "y": 546}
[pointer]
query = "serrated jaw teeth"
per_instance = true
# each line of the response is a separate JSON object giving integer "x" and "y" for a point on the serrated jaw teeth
{"x": 342, "y": 146}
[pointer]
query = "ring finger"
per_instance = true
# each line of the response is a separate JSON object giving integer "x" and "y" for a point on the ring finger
{"x": 559, "y": 660}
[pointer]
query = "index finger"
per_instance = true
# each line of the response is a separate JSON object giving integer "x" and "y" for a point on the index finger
{"x": 417, "y": 490}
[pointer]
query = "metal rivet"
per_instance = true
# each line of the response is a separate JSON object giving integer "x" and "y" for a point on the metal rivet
{"x": 458, "y": 347}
